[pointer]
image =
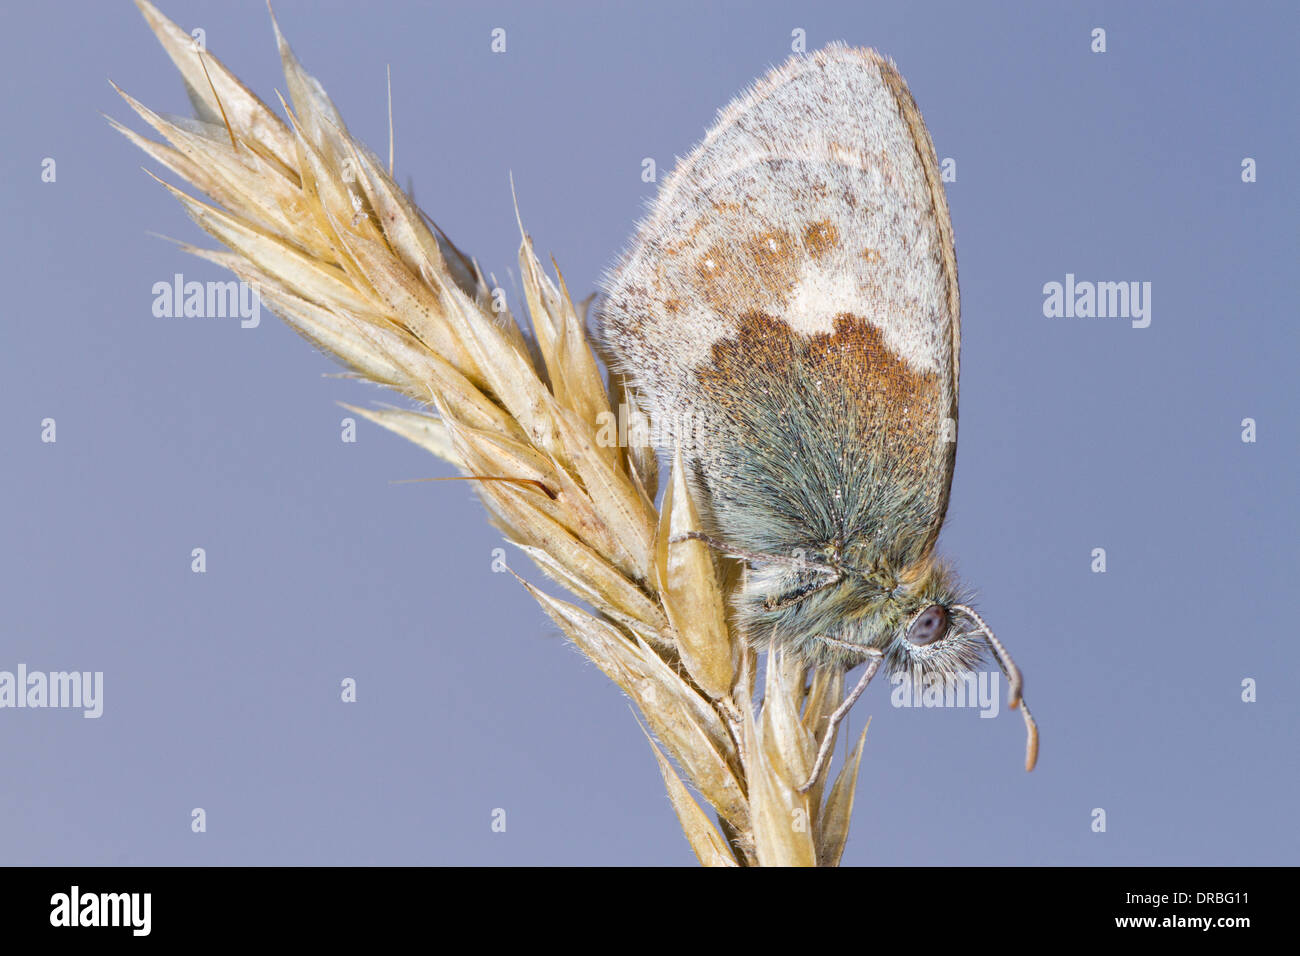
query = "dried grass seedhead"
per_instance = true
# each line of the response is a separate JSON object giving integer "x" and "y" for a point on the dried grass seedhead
{"x": 312, "y": 220}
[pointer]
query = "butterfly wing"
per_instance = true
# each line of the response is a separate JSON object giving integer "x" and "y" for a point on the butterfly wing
{"x": 789, "y": 314}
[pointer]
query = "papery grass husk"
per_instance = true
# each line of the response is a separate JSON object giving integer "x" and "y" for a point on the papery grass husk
{"x": 314, "y": 223}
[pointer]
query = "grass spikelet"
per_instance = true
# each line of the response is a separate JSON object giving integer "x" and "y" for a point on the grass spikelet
{"x": 314, "y": 222}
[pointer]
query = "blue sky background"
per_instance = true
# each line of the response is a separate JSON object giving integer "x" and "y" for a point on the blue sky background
{"x": 222, "y": 689}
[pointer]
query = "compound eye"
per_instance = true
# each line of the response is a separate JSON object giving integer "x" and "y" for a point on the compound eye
{"x": 930, "y": 626}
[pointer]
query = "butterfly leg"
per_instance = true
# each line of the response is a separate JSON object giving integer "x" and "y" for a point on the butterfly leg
{"x": 759, "y": 556}
{"x": 828, "y": 740}
{"x": 802, "y": 594}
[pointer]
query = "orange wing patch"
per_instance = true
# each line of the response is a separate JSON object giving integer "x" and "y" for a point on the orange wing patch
{"x": 758, "y": 273}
